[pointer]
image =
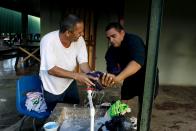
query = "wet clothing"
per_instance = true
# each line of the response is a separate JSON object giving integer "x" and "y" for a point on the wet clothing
{"x": 117, "y": 58}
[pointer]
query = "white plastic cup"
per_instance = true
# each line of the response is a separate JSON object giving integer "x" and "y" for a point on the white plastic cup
{"x": 51, "y": 126}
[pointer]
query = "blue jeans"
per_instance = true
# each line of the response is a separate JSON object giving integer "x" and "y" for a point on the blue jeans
{"x": 70, "y": 95}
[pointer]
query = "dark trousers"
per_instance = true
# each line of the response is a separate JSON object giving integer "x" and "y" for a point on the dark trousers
{"x": 70, "y": 95}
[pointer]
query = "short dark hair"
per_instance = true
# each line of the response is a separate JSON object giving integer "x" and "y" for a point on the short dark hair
{"x": 68, "y": 23}
{"x": 115, "y": 25}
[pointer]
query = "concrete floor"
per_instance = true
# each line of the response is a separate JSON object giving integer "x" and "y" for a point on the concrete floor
{"x": 174, "y": 108}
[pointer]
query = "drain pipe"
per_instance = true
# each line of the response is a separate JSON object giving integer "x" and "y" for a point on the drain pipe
{"x": 153, "y": 33}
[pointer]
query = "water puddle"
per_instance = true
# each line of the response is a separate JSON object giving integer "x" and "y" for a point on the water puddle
{"x": 3, "y": 100}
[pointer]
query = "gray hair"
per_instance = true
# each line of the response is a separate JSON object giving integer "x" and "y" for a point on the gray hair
{"x": 68, "y": 23}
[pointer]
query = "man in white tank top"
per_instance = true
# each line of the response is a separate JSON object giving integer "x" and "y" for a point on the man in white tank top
{"x": 60, "y": 52}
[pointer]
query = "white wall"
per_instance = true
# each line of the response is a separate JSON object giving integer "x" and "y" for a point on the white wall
{"x": 177, "y": 52}
{"x": 177, "y": 40}
{"x": 101, "y": 41}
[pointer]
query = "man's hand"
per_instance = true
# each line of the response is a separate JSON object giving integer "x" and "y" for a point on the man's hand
{"x": 107, "y": 80}
{"x": 97, "y": 74}
{"x": 84, "y": 79}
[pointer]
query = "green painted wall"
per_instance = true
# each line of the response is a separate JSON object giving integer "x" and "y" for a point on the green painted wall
{"x": 10, "y": 21}
{"x": 33, "y": 24}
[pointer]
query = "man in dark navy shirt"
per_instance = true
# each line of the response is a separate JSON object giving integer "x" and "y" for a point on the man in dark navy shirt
{"x": 125, "y": 59}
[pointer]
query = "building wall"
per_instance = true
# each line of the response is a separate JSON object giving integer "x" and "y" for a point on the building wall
{"x": 50, "y": 17}
{"x": 101, "y": 41}
{"x": 33, "y": 24}
{"x": 10, "y": 21}
{"x": 177, "y": 40}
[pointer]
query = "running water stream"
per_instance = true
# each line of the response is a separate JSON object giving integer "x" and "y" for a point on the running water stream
{"x": 92, "y": 110}
{"x": 78, "y": 118}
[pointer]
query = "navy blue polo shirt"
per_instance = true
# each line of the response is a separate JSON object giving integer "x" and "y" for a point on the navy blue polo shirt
{"x": 117, "y": 58}
{"x": 131, "y": 48}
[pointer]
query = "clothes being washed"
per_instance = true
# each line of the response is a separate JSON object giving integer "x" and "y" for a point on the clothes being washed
{"x": 35, "y": 102}
{"x": 97, "y": 74}
{"x": 118, "y": 108}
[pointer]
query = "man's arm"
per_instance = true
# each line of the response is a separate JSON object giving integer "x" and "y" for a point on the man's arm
{"x": 109, "y": 80}
{"x": 59, "y": 72}
{"x": 85, "y": 67}
{"x": 130, "y": 69}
